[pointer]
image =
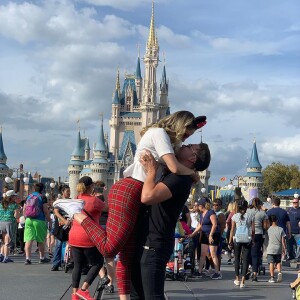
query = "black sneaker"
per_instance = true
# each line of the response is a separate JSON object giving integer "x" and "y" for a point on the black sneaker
{"x": 45, "y": 260}
{"x": 102, "y": 283}
{"x": 109, "y": 289}
{"x": 254, "y": 279}
{"x": 27, "y": 262}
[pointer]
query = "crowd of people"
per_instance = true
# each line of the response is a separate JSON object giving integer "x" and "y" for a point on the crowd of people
{"x": 137, "y": 221}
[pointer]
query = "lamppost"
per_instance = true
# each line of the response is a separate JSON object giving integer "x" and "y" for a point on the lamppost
{"x": 19, "y": 181}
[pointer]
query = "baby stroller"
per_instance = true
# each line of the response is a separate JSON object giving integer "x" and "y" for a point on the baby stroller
{"x": 182, "y": 261}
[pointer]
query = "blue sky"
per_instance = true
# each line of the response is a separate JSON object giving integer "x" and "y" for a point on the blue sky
{"x": 236, "y": 62}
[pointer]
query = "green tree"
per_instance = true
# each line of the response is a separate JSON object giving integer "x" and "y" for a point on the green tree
{"x": 277, "y": 177}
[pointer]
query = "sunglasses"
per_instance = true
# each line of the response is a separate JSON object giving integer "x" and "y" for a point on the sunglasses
{"x": 295, "y": 202}
{"x": 216, "y": 204}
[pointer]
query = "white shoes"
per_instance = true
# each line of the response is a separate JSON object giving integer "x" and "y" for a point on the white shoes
{"x": 69, "y": 206}
{"x": 279, "y": 277}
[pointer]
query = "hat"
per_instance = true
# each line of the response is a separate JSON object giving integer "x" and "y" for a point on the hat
{"x": 199, "y": 122}
{"x": 10, "y": 193}
{"x": 202, "y": 202}
{"x": 203, "y": 158}
{"x": 86, "y": 180}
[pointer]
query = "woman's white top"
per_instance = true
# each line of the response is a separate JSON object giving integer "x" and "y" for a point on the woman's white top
{"x": 158, "y": 143}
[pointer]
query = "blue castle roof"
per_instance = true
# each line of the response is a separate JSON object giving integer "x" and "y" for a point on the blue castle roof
{"x": 80, "y": 145}
{"x": 129, "y": 81}
{"x": 127, "y": 138}
{"x": 100, "y": 146}
{"x": 131, "y": 114}
{"x": 116, "y": 99}
{"x": 138, "y": 70}
{"x": 254, "y": 161}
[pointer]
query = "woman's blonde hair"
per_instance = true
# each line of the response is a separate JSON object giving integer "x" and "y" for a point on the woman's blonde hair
{"x": 175, "y": 125}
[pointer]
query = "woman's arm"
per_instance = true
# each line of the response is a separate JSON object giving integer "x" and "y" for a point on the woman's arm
{"x": 60, "y": 217}
{"x": 232, "y": 232}
{"x": 175, "y": 166}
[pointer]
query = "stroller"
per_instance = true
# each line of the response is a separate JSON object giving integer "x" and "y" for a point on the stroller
{"x": 182, "y": 262}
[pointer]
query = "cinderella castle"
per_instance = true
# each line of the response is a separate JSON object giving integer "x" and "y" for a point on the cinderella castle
{"x": 140, "y": 102}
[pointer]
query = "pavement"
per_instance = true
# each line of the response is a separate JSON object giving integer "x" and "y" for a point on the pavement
{"x": 37, "y": 282}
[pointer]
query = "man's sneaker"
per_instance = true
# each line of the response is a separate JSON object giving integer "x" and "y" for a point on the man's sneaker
{"x": 109, "y": 289}
{"x": 45, "y": 260}
{"x": 279, "y": 277}
{"x": 242, "y": 285}
{"x": 7, "y": 260}
{"x": 216, "y": 276}
{"x": 210, "y": 272}
{"x": 102, "y": 283}
{"x": 69, "y": 206}
{"x": 85, "y": 295}
{"x": 1, "y": 257}
{"x": 27, "y": 262}
{"x": 20, "y": 252}
{"x": 271, "y": 280}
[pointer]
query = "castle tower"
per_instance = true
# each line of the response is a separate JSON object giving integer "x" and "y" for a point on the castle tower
{"x": 115, "y": 120}
{"x": 100, "y": 164}
{"x": 253, "y": 178}
{"x": 138, "y": 80}
{"x": 76, "y": 164}
{"x": 4, "y": 169}
{"x": 164, "y": 90}
{"x": 149, "y": 105}
{"x": 87, "y": 150}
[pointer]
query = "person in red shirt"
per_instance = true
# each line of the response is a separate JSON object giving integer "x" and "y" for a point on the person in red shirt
{"x": 82, "y": 246}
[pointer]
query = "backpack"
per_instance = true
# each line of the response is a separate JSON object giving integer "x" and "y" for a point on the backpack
{"x": 242, "y": 232}
{"x": 32, "y": 208}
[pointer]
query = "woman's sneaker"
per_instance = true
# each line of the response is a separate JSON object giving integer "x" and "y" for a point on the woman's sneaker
{"x": 27, "y": 262}
{"x": 85, "y": 295}
{"x": 279, "y": 277}
{"x": 271, "y": 280}
{"x": 216, "y": 276}
{"x": 69, "y": 206}
{"x": 109, "y": 289}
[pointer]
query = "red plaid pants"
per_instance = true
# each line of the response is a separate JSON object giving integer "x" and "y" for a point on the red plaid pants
{"x": 124, "y": 201}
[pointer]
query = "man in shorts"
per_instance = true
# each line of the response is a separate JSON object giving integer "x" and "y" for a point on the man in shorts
{"x": 35, "y": 227}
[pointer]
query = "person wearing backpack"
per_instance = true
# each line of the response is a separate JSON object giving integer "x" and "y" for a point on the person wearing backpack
{"x": 241, "y": 237}
{"x": 36, "y": 212}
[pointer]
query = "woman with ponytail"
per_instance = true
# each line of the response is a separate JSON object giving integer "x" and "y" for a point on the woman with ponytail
{"x": 260, "y": 219}
{"x": 241, "y": 237}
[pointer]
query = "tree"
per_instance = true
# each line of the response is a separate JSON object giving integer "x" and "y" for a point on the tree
{"x": 277, "y": 177}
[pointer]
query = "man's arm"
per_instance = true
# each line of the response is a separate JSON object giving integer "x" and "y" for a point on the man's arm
{"x": 152, "y": 192}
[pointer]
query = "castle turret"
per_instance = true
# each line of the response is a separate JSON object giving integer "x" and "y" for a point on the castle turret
{"x": 115, "y": 118}
{"x": 87, "y": 149}
{"x": 100, "y": 164}
{"x": 253, "y": 178}
{"x": 164, "y": 90}
{"x": 76, "y": 164}
{"x": 138, "y": 81}
{"x": 149, "y": 106}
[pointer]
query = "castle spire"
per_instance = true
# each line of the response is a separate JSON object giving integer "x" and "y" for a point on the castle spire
{"x": 152, "y": 40}
{"x": 138, "y": 69}
{"x": 100, "y": 146}
{"x": 254, "y": 161}
{"x": 2, "y": 153}
{"x": 118, "y": 86}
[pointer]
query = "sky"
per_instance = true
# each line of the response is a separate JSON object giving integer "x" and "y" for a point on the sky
{"x": 235, "y": 61}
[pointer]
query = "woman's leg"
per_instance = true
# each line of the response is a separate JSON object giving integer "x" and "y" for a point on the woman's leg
{"x": 95, "y": 259}
{"x": 204, "y": 251}
{"x": 124, "y": 204}
{"x": 213, "y": 253}
{"x": 246, "y": 248}
{"x": 256, "y": 252}
{"x": 78, "y": 257}
{"x": 237, "y": 262}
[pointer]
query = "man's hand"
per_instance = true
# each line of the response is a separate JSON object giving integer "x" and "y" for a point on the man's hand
{"x": 148, "y": 162}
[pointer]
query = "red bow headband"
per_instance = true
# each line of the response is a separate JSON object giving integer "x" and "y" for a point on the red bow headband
{"x": 199, "y": 122}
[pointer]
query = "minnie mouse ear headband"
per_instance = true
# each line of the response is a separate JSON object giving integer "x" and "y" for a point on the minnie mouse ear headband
{"x": 10, "y": 193}
{"x": 199, "y": 122}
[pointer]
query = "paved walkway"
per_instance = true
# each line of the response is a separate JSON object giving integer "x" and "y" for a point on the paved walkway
{"x": 20, "y": 282}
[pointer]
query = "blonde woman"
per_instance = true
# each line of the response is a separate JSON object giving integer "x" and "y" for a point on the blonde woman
{"x": 124, "y": 199}
{"x": 9, "y": 212}
{"x": 231, "y": 210}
